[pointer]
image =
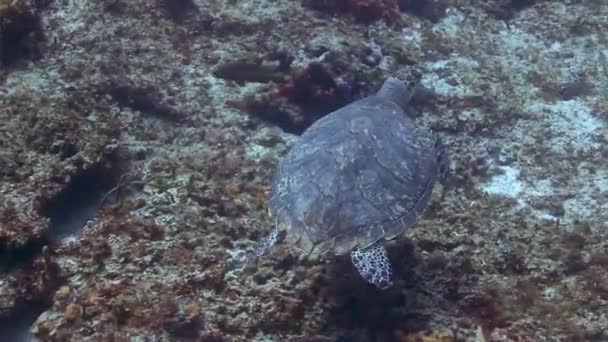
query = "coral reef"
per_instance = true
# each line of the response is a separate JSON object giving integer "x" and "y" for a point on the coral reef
{"x": 138, "y": 139}
{"x": 301, "y": 98}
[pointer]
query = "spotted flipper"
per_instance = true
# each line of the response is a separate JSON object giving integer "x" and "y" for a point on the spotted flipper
{"x": 261, "y": 248}
{"x": 373, "y": 265}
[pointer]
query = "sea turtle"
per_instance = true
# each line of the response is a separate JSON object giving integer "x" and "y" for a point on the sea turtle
{"x": 357, "y": 177}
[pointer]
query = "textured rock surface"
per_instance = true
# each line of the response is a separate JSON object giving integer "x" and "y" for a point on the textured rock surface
{"x": 113, "y": 119}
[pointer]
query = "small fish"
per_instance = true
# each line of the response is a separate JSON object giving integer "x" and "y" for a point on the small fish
{"x": 243, "y": 72}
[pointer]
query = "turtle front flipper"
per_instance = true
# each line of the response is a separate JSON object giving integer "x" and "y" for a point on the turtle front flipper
{"x": 261, "y": 248}
{"x": 373, "y": 265}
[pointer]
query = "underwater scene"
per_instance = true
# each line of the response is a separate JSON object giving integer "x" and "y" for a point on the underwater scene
{"x": 304, "y": 170}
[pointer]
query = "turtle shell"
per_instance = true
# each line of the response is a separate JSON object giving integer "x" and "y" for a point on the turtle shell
{"x": 358, "y": 175}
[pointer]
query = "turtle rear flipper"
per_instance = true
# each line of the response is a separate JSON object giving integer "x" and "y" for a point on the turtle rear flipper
{"x": 373, "y": 265}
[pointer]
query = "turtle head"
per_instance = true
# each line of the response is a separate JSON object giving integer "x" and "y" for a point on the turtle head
{"x": 401, "y": 87}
